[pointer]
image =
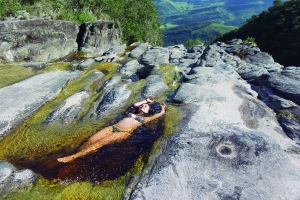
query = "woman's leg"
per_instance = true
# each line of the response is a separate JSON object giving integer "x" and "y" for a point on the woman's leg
{"x": 110, "y": 139}
{"x": 97, "y": 136}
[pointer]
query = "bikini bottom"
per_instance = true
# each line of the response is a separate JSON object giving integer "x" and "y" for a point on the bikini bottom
{"x": 116, "y": 129}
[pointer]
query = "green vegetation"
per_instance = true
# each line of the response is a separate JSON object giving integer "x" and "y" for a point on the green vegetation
{"x": 190, "y": 42}
{"x": 276, "y": 31}
{"x": 138, "y": 20}
{"x": 205, "y": 31}
{"x": 188, "y": 18}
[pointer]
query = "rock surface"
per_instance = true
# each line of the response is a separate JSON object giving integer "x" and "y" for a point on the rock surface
{"x": 98, "y": 37}
{"x": 229, "y": 146}
{"x": 21, "y": 99}
{"x": 37, "y": 39}
{"x": 12, "y": 179}
{"x": 239, "y": 135}
{"x": 114, "y": 99}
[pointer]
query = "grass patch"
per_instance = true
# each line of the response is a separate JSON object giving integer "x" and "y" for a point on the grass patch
{"x": 286, "y": 113}
{"x": 10, "y": 74}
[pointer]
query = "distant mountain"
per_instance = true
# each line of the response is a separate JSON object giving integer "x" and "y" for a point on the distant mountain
{"x": 276, "y": 31}
{"x": 228, "y": 14}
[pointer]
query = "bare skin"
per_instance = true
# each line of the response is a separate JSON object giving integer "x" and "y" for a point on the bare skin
{"x": 108, "y": 136}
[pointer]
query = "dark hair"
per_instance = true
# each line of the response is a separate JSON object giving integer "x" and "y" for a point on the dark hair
{"x": 154, "y": 108}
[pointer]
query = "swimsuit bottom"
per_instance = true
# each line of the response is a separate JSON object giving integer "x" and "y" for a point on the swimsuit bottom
{"x": 116, "y": 129}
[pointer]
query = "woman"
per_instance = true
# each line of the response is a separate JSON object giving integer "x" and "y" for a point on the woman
{"x": 121, "y": 130}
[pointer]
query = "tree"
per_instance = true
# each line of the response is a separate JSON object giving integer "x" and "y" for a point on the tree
{"x": 277, "y": 2}
{"x": 192, "y": 42}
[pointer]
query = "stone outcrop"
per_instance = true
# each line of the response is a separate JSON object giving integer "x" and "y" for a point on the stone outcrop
{"x": 12, "y": 179}
{"x": 98, "y": 37}
{"x": 114, "y": 99}
{"x": 22, "y": 99}
{"x": 40, "y": 39}
{"x": 229, "y": 144}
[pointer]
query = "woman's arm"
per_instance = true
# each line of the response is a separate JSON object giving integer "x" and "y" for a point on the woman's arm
{"x": 162, "y": 112}
{"x": 148, "y": 100}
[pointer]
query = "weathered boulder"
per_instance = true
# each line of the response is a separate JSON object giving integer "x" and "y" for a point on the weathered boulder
{"x": 138, "y": 50}
{"x": 129, "y": 68}
{"x": 250, "y": 53}
{"x": 250, "y": 71}
{"x": 155, "y": 86}
{"x": 113, "y": 100}
{"x": 113, "y": 51}
{"x": 22, "y": 99}
{"x": 155, "y": 55}
{"x": 98, "y": 37}
{"x": 37, "y": 39}
{"x": 84, "y": 64}
{"x": 12, "y": 179}
{"x": 286, "y": 83}
{"x": 69, "y": 110}
{"x": 115, "y": 80}
{"x": 211, "y": 57}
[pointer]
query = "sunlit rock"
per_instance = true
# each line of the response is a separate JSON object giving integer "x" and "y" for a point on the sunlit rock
{"x": 20, "y": 100}
{"x": 129, "y": 68}
{"x": 229, "y": 145}
{"x": 37, "y": 39}
{"x": 155, "y": 86}
{"x": 113, "y": 100}
{"x": 155, "y": 55}
{"x": 70, "y": 109}
{"x": 98, "y": 37}
{"x": 138, "y": 50}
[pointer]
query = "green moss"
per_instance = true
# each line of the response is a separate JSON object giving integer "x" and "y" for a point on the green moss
{"x": 10, "y": 74}
{"x": 171, "y": 75}
{"x": 286, "y": 113}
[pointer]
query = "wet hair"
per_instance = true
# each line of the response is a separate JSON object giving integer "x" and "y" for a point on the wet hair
{"x": 154, "y": 108}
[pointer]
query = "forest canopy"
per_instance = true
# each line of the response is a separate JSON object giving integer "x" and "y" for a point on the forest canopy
{"x": 276, "y": 31}
{"x": 137, "y": 19}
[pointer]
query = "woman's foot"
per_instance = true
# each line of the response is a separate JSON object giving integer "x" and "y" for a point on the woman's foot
{"x": 66, "y": 159}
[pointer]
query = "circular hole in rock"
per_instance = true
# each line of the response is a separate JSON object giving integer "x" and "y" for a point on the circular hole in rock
{"x": 224, "y": 150}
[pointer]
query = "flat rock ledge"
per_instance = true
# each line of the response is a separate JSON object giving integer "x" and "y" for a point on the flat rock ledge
{"x": 229, "y": 146}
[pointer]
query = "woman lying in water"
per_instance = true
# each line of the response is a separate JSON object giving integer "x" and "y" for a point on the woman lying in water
{"x": 120, "y": 131}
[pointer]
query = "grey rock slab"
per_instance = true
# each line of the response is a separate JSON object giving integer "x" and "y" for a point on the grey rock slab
{"x": 250, "y": 72}
{"x": 12, "y": 179}
{"x": 115, "y": 80}
{"x": 99, "y": 37}
{"x": 109, "y": 59}
{"x": 115, "y": 50}
{"x": 155, "y": 86}
{"x": 113, "y": 100}
{"x": 212, "y": 75}
{"x": 37, "y": 39}
{"x": 285, "y": 85}
{"x": 129, "y": 68}
{"x": 85, "y": 64}
{"x": 155, "y": 55}
{"x": 290, "y": 127}
{"x": 229, "y": 145}
{"x": 69, "y": 110}
{"x": 138, "y": 50}
{"x": 211, "y": 57}
{"x": 21, "y": 99}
